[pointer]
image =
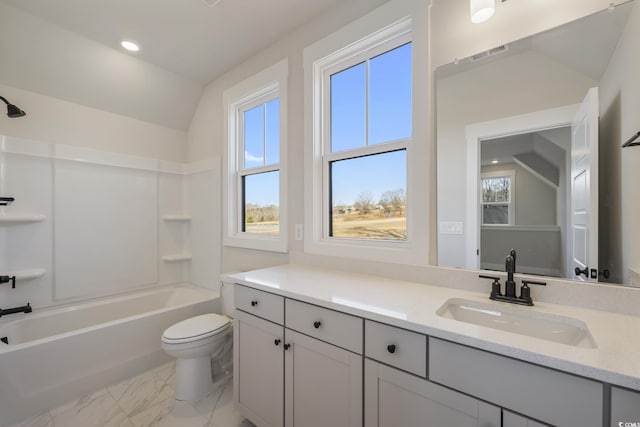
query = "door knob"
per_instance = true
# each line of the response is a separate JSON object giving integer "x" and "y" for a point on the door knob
{"x": 316, "y": 324}
{"x": 276, "y": 342}
{"x": 579, "y": 272}
{"x": 391, "y": 348}
{"x": 254, "y": 303}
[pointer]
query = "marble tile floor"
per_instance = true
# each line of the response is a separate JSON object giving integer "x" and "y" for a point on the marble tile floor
{"x": 145, "y": 400}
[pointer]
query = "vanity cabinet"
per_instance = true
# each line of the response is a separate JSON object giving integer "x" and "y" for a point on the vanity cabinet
{"x": 397, "y": 392}
{"x": 625, "y": 407}
{"x": 509, "y": 419}
{"x": 258, "y": 369}
{"x": 304, "y": 371}
{"x": 544, "y": 394}
{"x": 395, "y": 398}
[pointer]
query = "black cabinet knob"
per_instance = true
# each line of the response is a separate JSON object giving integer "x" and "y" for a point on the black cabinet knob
{"x": 391, "y": 348}
{"x": 286, "y": 346}
{"x": 317, "y": 324}
{"x": 276, "y": 342}
{"x": 254, "y": 303}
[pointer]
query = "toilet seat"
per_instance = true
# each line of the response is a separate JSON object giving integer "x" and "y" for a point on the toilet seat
{"x": 196, "y": 328}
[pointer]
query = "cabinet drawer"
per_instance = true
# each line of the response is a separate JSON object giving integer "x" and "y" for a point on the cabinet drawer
{"x": 396, "y": 347}
{"x": 541, "y": 393}
{"x": 327, "y": 325}
{"x": 262, "y": 304}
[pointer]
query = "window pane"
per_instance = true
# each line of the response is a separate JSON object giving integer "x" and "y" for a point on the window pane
{"x": 261, "y": 203}
{"x": 495, "y": 214}
{"x": 273, "y": 131}
{"x": 390, "y": 95}
{"x": 348, "y": 108}
{"x": 496, "y": 189}
{"x": 368, "y": 197}
{"x": 254, "y": 137}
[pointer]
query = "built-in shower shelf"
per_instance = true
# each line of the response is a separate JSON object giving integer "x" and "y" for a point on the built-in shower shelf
{"x": 20, "y": 218}
{"x": 30, "y": 274}
{"x": 177, "y": 258}
{"x": 177, "y": 218}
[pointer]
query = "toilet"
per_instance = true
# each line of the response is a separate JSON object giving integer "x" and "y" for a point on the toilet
{"x": 198, "y": 342}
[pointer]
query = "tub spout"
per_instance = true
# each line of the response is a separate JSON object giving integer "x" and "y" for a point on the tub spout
{"x": 23, "y": 309}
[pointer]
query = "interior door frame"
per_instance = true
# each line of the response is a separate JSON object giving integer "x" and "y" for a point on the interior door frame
{"x": 477, "y": 132}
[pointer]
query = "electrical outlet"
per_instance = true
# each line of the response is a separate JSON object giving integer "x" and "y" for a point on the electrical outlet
{"x": 299, "y": 232}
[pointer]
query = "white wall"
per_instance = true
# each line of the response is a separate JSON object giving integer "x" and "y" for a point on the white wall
{"x": 63, "y": 122}
{"x": 41, "y": 57}
{"x": 620, "y": 193}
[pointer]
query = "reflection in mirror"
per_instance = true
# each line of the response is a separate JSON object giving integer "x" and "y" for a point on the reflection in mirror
{"x": 524, "y": 162}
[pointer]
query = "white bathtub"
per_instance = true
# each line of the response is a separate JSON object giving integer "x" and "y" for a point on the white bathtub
{"x": 56, "y": 355}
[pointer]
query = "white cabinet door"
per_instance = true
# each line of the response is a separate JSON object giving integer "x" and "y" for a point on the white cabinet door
{"x": 323, "y": 384}
{"x": 258, "y": 370}
{"x": 625, "y": 407}
{"x": 394, "y": 398}
{"x": 509, "y": 419}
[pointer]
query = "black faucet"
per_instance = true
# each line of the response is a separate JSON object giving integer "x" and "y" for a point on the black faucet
{"x": 510, "y": 284}
{"x": 23, "y": 309}
{"x": 8, "y": 279}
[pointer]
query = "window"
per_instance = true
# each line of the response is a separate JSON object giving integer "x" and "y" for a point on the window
{"x": 360, "y": 201}
{"x": 497, "y": 198}
{"x": 365, "y": 156}
{"x": 255, "y": 171}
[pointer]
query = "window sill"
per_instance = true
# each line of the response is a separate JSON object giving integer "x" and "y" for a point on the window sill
{"x": 261, "y": 243}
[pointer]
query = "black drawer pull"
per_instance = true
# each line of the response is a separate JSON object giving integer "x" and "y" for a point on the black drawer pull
{"x": 317, "y": 324}
{"x": 286, "y": 346}
{"x": 276, "y": 342}
{"x": 254, "y": 303}
{"x": 391, "y": 348}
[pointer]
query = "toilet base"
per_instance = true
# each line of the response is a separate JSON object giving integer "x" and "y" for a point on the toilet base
{"x": 193, "y": 378}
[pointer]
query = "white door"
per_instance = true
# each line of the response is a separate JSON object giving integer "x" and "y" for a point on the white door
{"x": 583, "y": 241}
{"x": 323, "y": 384}
{"x": 258, "y": 370}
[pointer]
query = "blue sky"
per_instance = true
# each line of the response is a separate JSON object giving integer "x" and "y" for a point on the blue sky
{"x": 386, "y": 118}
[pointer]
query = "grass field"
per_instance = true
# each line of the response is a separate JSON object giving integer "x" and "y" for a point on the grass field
{"x": 370, "y": 226}
{"x": 355, "y": 226}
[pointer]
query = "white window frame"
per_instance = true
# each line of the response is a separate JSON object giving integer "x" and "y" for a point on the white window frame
{"x": 512, "y": 196}
{"x": 262, "y": 87}
{"x": 382, "y": 30}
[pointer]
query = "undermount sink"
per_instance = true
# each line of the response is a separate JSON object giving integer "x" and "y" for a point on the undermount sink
{"x": 519, "y": 320}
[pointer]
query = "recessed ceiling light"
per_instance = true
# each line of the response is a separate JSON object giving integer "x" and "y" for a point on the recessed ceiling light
{"x": 129, "y": 45}
{"x": 494, "y": 161}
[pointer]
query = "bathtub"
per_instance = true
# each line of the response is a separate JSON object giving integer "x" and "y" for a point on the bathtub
{"x": 55, "y": 355}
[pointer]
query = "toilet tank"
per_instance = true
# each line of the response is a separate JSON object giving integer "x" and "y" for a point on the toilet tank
{"x": 226, "y": 292}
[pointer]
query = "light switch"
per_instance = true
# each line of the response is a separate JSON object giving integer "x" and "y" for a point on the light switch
{"x": 451, "y": 227}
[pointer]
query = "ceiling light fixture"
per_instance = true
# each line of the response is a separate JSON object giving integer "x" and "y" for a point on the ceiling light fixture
{"x": 481, "y": 10}
{"x": 494, "y": 161}
{"x": 129, "y": 45}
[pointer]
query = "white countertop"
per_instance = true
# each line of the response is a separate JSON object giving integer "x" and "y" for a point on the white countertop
{"x": 616, "y": 360}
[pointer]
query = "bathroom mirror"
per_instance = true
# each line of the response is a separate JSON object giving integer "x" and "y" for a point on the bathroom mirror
{"x": 520, "y": 164}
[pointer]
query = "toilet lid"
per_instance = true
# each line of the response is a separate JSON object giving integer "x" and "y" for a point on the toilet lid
{"x": 196, "y": 327}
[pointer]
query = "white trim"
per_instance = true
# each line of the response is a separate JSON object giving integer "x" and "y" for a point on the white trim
{"x": 267, "y": 83}
{"x": 390, "y": 23}
{"x": 475, "y": 133}
{"x": 528, "y": 228}
{"x": 72, "y": 153}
